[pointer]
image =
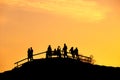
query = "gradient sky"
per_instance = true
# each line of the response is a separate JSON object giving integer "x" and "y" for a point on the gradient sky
{"x": 91, "y": 25}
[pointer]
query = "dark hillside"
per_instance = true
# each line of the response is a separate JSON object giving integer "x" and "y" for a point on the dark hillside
{"x": 61, "y": 68}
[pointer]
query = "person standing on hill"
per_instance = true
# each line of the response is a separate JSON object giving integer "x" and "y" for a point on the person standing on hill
{"x": 30, "y": 54}
{"x": 49, "y": 52}
{"x": 76, "y": 53}
{"x": 59, "y": 51}
{"x": 65, "y": 50}
{"x": 72, "y": 52}
{"x": 28, "y": 51}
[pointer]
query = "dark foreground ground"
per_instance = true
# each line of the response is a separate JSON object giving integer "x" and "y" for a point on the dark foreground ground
{"x": 61, "y": 69}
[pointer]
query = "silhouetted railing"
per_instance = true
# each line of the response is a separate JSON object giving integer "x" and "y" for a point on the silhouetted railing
{"x": 26, "y": 59}
{"x": 86, "y": 59}
{"x": 79, "y": 57}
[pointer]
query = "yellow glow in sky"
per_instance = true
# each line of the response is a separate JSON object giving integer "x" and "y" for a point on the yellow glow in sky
{"x": 90, "y": 25}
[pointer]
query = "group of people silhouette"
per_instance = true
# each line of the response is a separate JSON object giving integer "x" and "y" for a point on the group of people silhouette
{"x": 57, "y": 52}
{"x": 64, "y": 51}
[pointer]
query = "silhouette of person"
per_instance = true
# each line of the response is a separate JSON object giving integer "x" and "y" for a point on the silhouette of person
{"x": 31, "y": 54}
{"x": 76, "y": 53}
{"x": 49, "y": 52}
{"x": 28, "y": 51}
{"x": 72, "y": 52}
{"x": 59, "y": 51}
{"x": 55, "y": 52}
{"x": 65, "y": 50}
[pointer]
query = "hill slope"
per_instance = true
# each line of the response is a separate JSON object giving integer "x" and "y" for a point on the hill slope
{"x": 61, "y": 68}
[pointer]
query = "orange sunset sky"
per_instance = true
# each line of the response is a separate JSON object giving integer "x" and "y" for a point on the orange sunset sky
{"x": 91, "y": 25}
